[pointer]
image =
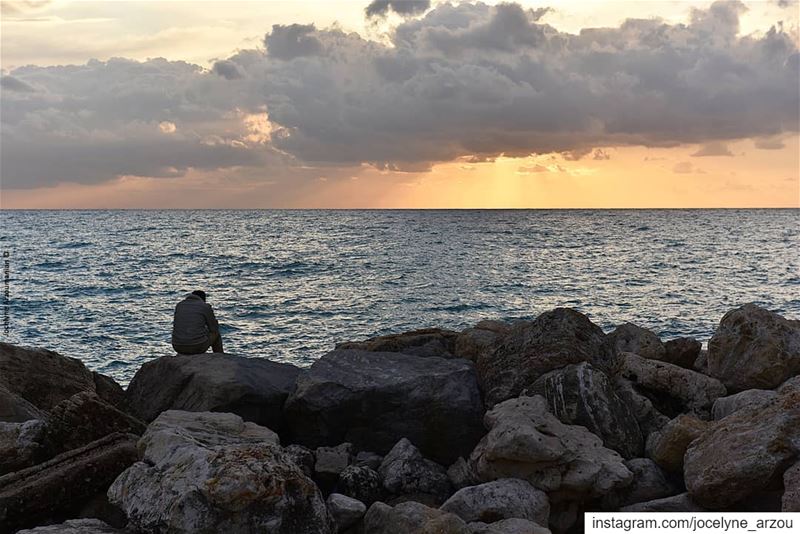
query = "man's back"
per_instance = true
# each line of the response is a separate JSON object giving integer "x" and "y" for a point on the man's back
{"x": 193, "y": 321}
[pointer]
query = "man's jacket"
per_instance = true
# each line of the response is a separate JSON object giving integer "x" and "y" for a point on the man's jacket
{"x": 193, "y": 321}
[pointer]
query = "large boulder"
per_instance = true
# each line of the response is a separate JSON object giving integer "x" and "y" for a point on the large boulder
{"x": 508, "y": 526}
{"x": 724, "y": 406}
{"x": 479, "y": 341}
{"x": 526, "y": 441}
{"x": 22, "y": 444}
{"x": 252, "y": 388}
{"x": 411, "y": 518}
{"x": 61, "y": 485}
{"x": 672, "y": 389}
{"x": 579, "y": 394}
{"x": 500, "y": 499}
{"x": 667, "y": 447}
{"x": 553, "y": 340}
{"x": 360, "y": 482}
{"x": 649, "y": 418}
{"x": 676, "y": 503}
{"x": 682, "y": 351}
{"x": 424, "y": 342}
{"x": 75, "y": 526}
{"x": 345, "y": 510}
{"x": 650, "y": 482}
{"x": 631, "y": 338}
{"x": 406, "y": 472}
{"x": 15, "y": 409}
{"x": 212, "y": 472}
{"x": 373, "y": 399}
{"x": 791, "y": 489}
{"x": 744, "y": 453}
{"x": 754, "y": 348}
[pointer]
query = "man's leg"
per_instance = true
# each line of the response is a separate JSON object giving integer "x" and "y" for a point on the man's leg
{"x": 216, "y": 342}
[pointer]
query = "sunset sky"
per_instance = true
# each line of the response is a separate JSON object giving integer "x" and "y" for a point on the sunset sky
{"x": 540, "y": 104}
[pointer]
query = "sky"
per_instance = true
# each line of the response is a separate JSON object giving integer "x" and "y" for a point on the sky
{"x": 388, "y": 104}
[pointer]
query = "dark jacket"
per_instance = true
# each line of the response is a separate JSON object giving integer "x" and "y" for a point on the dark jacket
{"x": 193, "y": 321}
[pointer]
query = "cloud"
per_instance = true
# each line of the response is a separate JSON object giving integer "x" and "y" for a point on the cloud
{"x": 462, "y": 81}
{"x": 712, "y": 149}
{"x": 381, "y": 8}
{"x": 9, "y": 83}
{"x": 686, "y": 167}
{"x": 769, "y": 143}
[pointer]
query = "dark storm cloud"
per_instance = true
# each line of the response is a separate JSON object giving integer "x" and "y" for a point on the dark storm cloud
{"x": 381, "y": 8}
{"x": 462, "y": 80}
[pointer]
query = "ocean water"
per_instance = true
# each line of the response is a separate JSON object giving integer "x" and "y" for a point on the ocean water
{"x": 288, "y": 285}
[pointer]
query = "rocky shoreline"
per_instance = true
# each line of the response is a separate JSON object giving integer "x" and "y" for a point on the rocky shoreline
{"x": 503, "y": 428}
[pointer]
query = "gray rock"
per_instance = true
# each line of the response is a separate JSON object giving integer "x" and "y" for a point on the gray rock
{"x": 368, "y": 459}
{"x": 530, "y": 349}
{"x": 332, "y": 460}
{"x": 701, "y": 363}
{"x": 360, "y": 482}
{"x": 631, "y": 338}
{"x": 424, "y": 343}
{"x": 500, "y": 499}
{"x": 62, "y": 484}
{"x": 682, "y": 351}
{"x": 754, "y": 348}
{"x": 252, "y": 388}
{"x": 345, "y": 510}
{"x": 508, "y": 526}
{"x": 582, "y": 395}
{"x": 649, "y": 418}
{"x": 75, "y": 526}
{"x": 15, "y": 409}
{"x": 22, "y": 444}
{"x": 667, "y": 447}
{"x": 526, "y": 441}
{"x": 672, "y": 389}
{"x": 724, "y": 406}
{"x": 303, "y": 458}
{"x": 744, "y": 453}
{"x": 213, "y": 472}
{"x": 462, "y": 474}
{"x": 411, "y": 518}
{"x": 791, "y": 489}
{"x": 373, "y": 399}
{"x": 480, "y": 341}
{"x": 405, "y": 471}
{"x": 677, "y": 503}
{"x": 649, "y": 483}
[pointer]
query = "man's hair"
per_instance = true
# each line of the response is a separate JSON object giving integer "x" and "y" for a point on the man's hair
{"x": 200, "y": 293}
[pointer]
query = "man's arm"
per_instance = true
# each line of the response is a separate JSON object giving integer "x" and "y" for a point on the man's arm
{"x": 211, "y": 320}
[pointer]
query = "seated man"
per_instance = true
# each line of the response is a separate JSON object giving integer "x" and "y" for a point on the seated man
{"x": 194, "y": 327}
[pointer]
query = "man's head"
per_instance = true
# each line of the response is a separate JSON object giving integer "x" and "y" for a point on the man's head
{"x": 200, "y": 293}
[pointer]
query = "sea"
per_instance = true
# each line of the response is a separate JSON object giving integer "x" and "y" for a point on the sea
{"x": 288, "y": 285}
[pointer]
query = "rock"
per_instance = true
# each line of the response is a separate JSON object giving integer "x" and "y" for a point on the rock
{"x": 676, "y": 503}
{"x": 649, "y": 418}
{"x": 724, "y": 406}
{"x": 526, "y": 441}
{"x": 405, "y": 471}
{"x": 15, "y": 409}
{"x": 649, "y": 483}
{"x": 373, "y": 399}
{"x": 42, "y": 377}
{"x": 668, "y": 446}
{"x": 424, "y": 343}
{"x": 530, "y": 349}
{"x": 754, "y": 348}
{"x": 631, "y": 338}
{"x": 672, "y": 389}
{"x": 743, "y": 453}
{"x": 360, "y": 482}
{"x": 582, "y": 395}
{"x": 345, "y": 510}
{"x": 508, "y": 526}
{"x": 22, "y": 445}
{"x": 302, "y": 457}
{"x": 564, "y": 515}
{"x": 368, "y": 459}
{"x": 701, "y": 363}
{"x": 411, "y": 518}
{"x": 111, "y": 392}
{"x": 85, "y": 417}
{"x": 75, "y": 526}
{"x": 500, "y": 499}
{"x": 682, "y": 351}
{"x": 62, "y": 484}
{"x": 791, "y": 489}
{"x": 480, "y": 341}
{"x": 332, "y": 460}
{"x": 461, "y": 474}
{"x": 213, "y": 472}
{"x": 252, "y": 388}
